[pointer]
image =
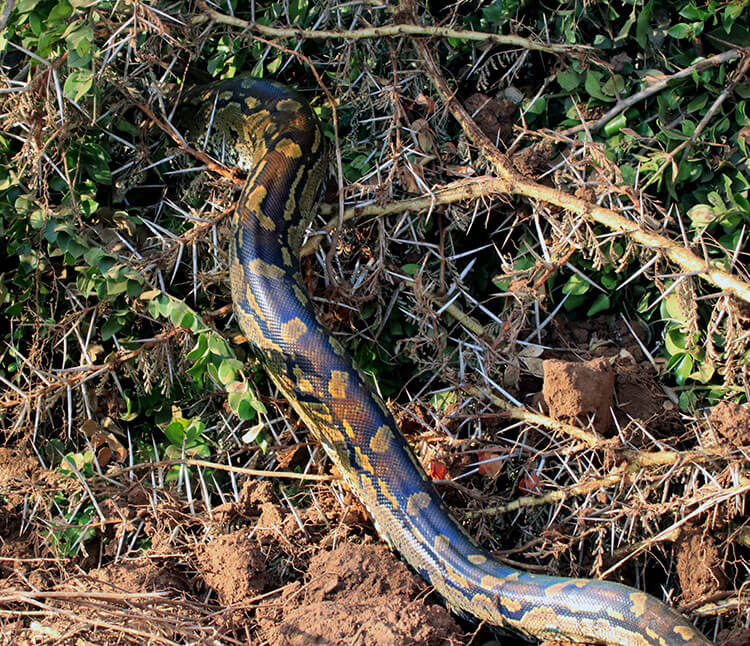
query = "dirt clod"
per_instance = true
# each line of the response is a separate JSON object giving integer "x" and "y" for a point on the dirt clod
{"x": 535, "y": 159}
{"x": 359, "y": 595}
{"x": 642, "y": 405}
{"x": 576, "y": 391}
{"x": 233, "y": 566}
{"x": 699, "y": 566}
{"x": 731, "y": 423}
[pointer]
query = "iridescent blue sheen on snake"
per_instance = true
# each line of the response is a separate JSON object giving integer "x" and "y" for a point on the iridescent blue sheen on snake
{"x": 271, "y": 133}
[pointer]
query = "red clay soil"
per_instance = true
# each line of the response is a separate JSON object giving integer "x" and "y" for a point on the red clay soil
{"x": 233, "y": 566}
{"x": 357, "y": 595}
{"x": 730, "y": 424}
{"x": 577, "y": 392}
{"x": 699, "y": 565}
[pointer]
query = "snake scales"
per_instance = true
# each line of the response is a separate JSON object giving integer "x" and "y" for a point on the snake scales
{"x": 271, "y": 133}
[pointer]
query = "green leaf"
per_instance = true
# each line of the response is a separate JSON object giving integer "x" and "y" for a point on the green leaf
{"x": 691, "y": 12}
{"x": 131, "y": 411}
{"x": 60, "y": 12}
{"x": 601, "y": 304}
{"x": 245, "y": 409}
{"x": 572, "y": 303}
{"x": 500, "y": 11}
{"x": 133, "y": 288}
{"x": 115, "y": 287}
{"x": 626, "y": 27}
{"x": 155, "y": 306}
{"x": 187, "y": 320}
{"x": 218, "y": 346}
{"x": 80, "y": 40}
{"x": 730, "y": 240}
{"x": 194, "y": 431}
{"x": 643, "y": 24}
{"x": 680, "y": 30}
{"x": 568, "y": 79}
{"x": 576, "y": 286}
{"x": 228, "y": 370}
{"x": 442, "y": 402}
{"x": 732, "y": 11}
{"x": 609, "y": 280}
{"x": 87, "y": 204}
{"x": 683, "y": 369}
{"x": 176, "y": 310}
{"x": 717, "y": 203}
{"x": 175, "y": 430}
{"x": 704, "y": 373}
{"x": 25, "y": 6}
{"x": 97, "y": 159}
{"x": 77, "y": 85}
{"x": 675, "y": 342}
{"x": 688, "y": 401}
{"x": 614, "y": 85}
{"x": 201, "y": 346}
{"x": 253, "y": 434}
{"x": 538, "y": 107}
{"x": 111, "y": 327}
{"x": 701, "y": 215}
{"x": 628, "y": 173}
{"x": 273, "y": 66}
{"x": 673, "y": 309}
{"x": 698, "y": 103}
{"x": 594, "y": 86}
{"x": 106, "y": 263}
{"x": 242, "y": 405}
{"x": 35, "y": 23}
{"x": 260, "y": 407}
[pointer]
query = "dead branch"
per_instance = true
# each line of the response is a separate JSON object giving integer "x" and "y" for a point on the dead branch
{"x": 390, "y": 31}
{"x": 635, "y": 461}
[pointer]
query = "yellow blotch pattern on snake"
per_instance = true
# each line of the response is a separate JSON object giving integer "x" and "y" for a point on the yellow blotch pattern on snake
{"x": 272, "y": 134}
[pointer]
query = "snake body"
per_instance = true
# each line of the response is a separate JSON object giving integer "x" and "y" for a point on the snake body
{"x": 271, "y": 132}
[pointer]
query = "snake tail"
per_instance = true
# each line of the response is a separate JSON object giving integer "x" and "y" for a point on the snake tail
{"x": 271, "y": 132}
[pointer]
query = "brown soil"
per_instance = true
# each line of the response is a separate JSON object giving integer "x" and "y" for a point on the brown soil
{"x": 580, "y": 386}
{"x": 535, "y": 159}
{"x": 699, "y": 565}
{"x": 228, "y": 586}
{"x": 233, "y": 567}
{"x": 495, "y": 117}
{"x": 739, "y": 637}
{"x": 358, "y": 595}
{"x": 730, "y": 424}
{"x": 580, "y": 392}
{"x": 642, "y": 404}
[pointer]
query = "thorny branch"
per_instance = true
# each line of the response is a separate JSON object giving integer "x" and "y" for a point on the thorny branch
{"x": 634, "y": 462}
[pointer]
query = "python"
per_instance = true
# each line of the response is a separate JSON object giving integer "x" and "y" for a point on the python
{"x": 271, "y": 133}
